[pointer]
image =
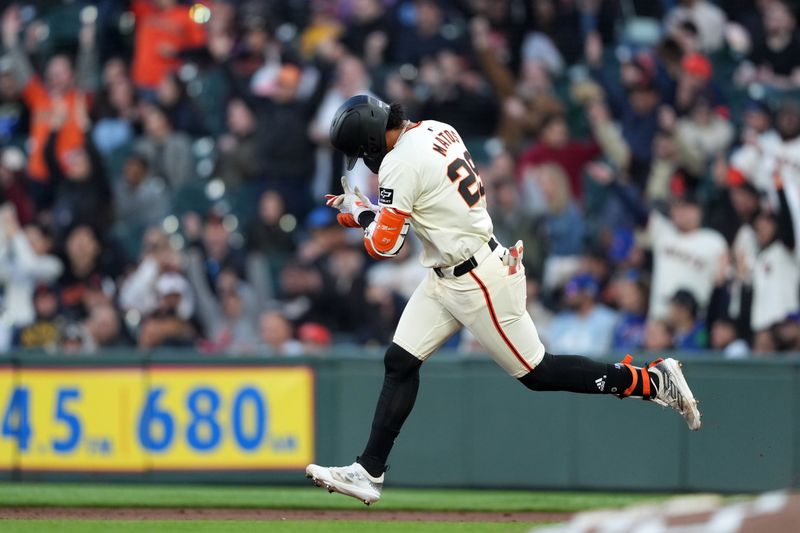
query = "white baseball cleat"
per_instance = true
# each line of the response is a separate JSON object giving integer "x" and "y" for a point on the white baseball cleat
{"x": 352, "y": 480}
{"x": 673, "y": 391}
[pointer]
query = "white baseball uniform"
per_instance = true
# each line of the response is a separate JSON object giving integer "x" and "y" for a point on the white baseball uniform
{"x": 430, "y": 175}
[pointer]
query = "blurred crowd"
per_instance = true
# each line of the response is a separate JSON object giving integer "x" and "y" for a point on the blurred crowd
{"x": 164, "y": 165}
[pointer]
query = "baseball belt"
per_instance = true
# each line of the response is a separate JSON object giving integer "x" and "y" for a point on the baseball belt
{"x": 461, "y": 269}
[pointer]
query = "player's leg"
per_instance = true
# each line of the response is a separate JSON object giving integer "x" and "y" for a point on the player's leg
{"x": 396, "y": 400}
{"x": 575, "y": 373}
{"x": 423, "y": 327}
{"x": 491, "y": 304}
{"x": 661, "y": 381}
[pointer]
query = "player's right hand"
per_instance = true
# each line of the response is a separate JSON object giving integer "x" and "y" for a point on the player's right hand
{"x": 513, "y": 257}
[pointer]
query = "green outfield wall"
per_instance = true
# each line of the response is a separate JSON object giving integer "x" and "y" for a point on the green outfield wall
{"x": 179, "y": 417}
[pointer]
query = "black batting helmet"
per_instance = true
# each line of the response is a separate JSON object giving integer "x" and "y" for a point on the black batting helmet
{"x": 359, "y": 130}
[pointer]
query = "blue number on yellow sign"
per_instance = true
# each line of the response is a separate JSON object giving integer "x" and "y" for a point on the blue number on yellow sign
{"x": 152, "y": 415}
{"x": 203, "y": 404}
{"x": 252, "y": 441}
{"x": 16, "y": 423}
{"x": 70, "y": 420}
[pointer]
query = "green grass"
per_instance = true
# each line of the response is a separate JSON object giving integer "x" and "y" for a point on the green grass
{"x": 177, "y": 526}
{"x": 107, "y": 495}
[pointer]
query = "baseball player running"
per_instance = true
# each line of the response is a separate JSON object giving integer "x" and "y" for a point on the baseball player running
{"x": 429, "y": 182}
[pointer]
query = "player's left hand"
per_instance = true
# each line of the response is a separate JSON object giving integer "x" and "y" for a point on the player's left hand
{"x": 350, "y": 204}
{"x": 513, "y": 257}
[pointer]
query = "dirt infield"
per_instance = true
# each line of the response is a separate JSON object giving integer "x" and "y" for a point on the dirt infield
{"x": 110, "y": 513}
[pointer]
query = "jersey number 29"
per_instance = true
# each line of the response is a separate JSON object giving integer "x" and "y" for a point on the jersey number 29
{"x": 470, "y": 186}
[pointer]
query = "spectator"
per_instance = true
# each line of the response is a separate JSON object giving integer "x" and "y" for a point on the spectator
{"x": 745, "y": 200}
{"x": 423, "y": 36}
{"x": 367, "y": 33}
{"x": 526, "y": 102}
{"x": 554, "y": 146}
{"x": 164, "y": 29}
{"x": 706, "y": 17}
{"x": 657, "y": 336}
{"x": 695, "y": 81}
{"x": 168, "y": 152}
{"x": 685, "y": 255}
{"x": 228, "y": 315}
{"x": 271, "y": 233}
{"x": 300, "y": 289}
{"x": 776, "y": 274}
{"x": 276, "y": 336}
{"x": 703, "y": 133}
{"x": 115, "y": 111}
{"x": 773, "y": 59}
{"x": 165, "y": 325}
{"x": 562, "y": 224}
{"x": 775, "y": 151}
{"x": 284, "y": 144}
{"x": 75, "y": 339}
{"x": 140, "y": 198}
{"x": 457, "y": 94}
{"x": 630, "y": 296}
{"x": 787, "y": 333}
{"x": 325, "y": 236}
{"x": 12, "y": 183}
{"x": 634, "y": 100}
{"x": 560, "y": 22}
{"x": 689, "y": 330}
{"x": 757, "y": 120}
{"x": 764, "y": 343}
{"x": 63, "y": 92}
{"x": 86, "y": 261}
{"x": 45, "y": 329}
{"x": 213, "y": 240}
{"x": 78, "y": 177}
{"x": 586, "y": 327}
{"x": 184, "y": 116}
{"x": 344, "y": 294}
{"x": 25, "y": 262}
{"x": 725, "y": 339}
{"x": 138, "y": 291}
{"x": 103, "y": 327}
{"x": 315, "y": 338}
{"x": 239, "y": 160}
{"x": 14, "y": 114}
{"x": 512, "y": 222}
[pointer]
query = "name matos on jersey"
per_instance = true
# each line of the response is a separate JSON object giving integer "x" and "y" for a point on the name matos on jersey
{"x": 430, "y": 177}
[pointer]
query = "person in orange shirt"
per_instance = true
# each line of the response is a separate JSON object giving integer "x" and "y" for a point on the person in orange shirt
{"x": 61, "y": 88}
{"x": 163, "y": 30}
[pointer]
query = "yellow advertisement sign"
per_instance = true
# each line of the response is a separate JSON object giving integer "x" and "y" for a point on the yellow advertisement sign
{"x": 7, "y": 448}
{"x": 77, "y": 418}
{"x": 161, "y": 418}
{"x": 230, "y": 418}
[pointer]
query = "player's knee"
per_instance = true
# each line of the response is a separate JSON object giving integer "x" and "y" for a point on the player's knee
{"x": 539, "y": 379}
{"x": 399, "y": 363}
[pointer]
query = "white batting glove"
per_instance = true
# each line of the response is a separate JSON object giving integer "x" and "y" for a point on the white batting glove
{"x": 513, "y": 257}
{"x": 351, "y": 202}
